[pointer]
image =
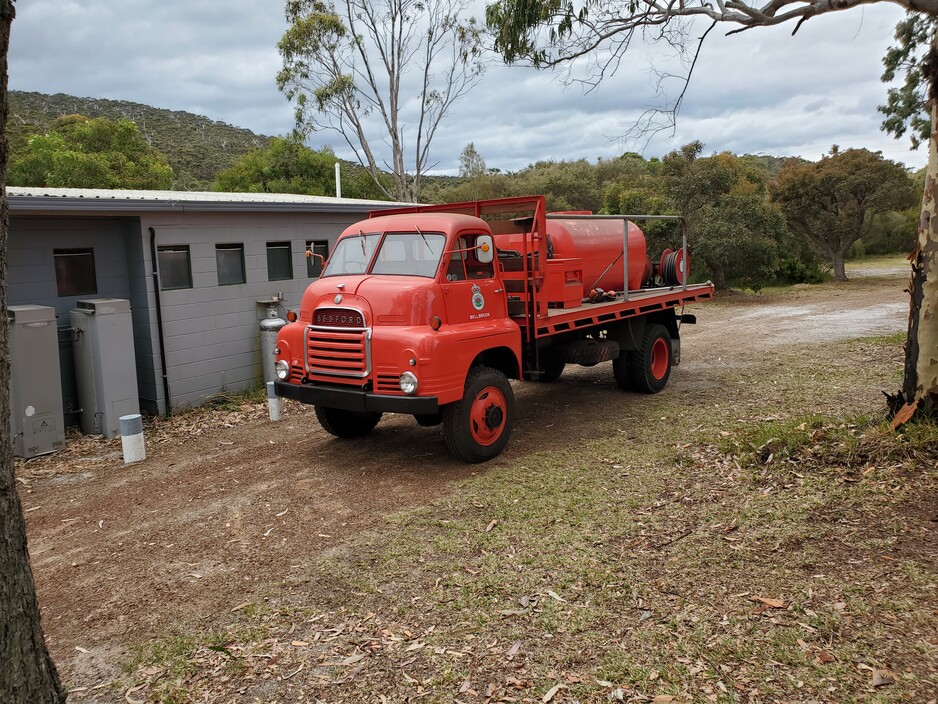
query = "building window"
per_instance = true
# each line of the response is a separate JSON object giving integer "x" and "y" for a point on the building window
{"x": 279, "y": 261}
{"x": 74, "y": 272}
{"x": 230, "y": 261}
{"x": 314, "y": 264}
{"x": 175, "y": 266}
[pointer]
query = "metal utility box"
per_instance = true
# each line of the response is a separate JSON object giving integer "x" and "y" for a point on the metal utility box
{"x": 36, "y": 421}
{"x": 105, "y": 366}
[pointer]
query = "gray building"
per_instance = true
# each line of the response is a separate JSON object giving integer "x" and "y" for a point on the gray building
{"x": 221, "y": 259}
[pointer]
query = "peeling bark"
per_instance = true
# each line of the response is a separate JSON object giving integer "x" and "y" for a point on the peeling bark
{"x": 920, "y": 381}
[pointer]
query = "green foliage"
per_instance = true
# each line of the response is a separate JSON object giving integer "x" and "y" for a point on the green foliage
{"x": 890, "y": 233}
{"x": 195, "y": 147}
{"x": 836, "y": 201}
{"x": 83, "y": 152}
{"x": 567, "y": 185}
{"x": 795, "y": 270}
{"x": 905, "y": 109}
{"x": 287, "y": 166}
{"x": 732, "y": 228}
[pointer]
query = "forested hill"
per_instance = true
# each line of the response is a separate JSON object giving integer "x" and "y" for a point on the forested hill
{"x": 196, "y": 147}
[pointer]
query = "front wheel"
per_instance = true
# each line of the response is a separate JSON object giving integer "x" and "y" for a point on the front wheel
{"x": 477, "y": 427}
{"x": 346, "y": 424}
{"x": 650, "y": 364}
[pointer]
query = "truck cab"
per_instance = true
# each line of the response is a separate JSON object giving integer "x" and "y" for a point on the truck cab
{"x": 405, "y": 307}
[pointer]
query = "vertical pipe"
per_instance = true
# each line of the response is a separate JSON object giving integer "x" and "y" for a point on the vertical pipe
{"x": 338, "y": 180}
{"x": 684, "y": 252}
{"x": 159, "y": 322}
{"x": 625, "y": 257}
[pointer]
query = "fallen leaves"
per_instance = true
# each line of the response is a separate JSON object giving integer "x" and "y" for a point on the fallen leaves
{"x": 552, "y": 692}
{"x": 771, "y": 603}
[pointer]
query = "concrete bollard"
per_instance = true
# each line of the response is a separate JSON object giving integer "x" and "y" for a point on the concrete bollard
{"x": 274, "y": 403}
{"x": 131, "y": 428}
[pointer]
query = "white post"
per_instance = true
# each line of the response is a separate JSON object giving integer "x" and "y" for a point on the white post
{"x": 131, "y": 428}
{"x": 274, "y": 403}
{"x": 338, "y": 181}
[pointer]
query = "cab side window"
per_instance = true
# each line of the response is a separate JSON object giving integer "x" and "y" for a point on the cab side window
{"x": 456, "y": 270}
{"x": 474, "y": 268}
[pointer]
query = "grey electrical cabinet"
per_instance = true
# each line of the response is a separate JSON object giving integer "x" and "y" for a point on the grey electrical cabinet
{"x": 105, "y": 366}
{"x": 36, "y": 420}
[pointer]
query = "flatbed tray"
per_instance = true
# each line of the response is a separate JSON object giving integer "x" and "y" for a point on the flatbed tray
{"x": 639, "y": 303}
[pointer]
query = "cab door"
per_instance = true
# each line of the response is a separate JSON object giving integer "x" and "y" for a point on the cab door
{"x": 472, "y": 291}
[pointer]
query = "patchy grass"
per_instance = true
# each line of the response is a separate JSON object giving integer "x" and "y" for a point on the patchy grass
{"x": 809, "y": 575}
{"x": 749, "y": 542}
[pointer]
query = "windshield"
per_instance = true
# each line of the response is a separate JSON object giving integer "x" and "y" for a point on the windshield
{"x": 351, "y": 255}
{"x": 409, "y": 254}
{"x": 399, "y": 254}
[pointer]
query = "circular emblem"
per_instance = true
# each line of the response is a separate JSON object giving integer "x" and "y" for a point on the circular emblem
{"x": 338, "y": 298}
{"x": 478, "y": 300}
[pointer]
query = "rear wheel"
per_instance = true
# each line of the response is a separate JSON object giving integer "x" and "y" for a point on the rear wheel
{"x": 346, "y": 424}
{"x": 650, "y": 365}
{"x": 477, "y": 427}
{"x": 622, "y": 372}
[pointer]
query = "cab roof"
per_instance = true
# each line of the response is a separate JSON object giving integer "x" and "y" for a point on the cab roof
{"x": 447, "y": 223}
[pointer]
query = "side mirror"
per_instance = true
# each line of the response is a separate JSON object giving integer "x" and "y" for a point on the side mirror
{"x": 485, "y": 249}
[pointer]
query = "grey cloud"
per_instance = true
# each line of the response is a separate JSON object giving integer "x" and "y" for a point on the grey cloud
{"x": 761, "y": 91}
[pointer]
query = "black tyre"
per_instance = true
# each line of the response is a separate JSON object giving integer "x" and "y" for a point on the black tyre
{"x": 346, "y": 424}
{"x": 552, "y": 365}
{"x": 428, "y": 420}
{"x": 477, "y": 427}
{"x": 622, "y": 372}
{"x": 650, "y": 365}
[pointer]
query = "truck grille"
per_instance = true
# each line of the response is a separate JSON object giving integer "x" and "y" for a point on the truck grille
{"x": 388, "y": 383}
{"x": 339, "y": 352}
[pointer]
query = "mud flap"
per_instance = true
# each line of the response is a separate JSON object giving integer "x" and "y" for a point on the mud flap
{"x": 675, "y": 351}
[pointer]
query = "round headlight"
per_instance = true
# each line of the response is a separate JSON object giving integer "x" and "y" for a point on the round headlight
{"x": 409, "y": 383}
{"x": 282, "y": 369}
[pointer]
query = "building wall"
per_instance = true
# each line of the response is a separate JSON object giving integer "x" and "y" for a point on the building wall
{"x": 210, "y": 331}
{"x": 31, "y": 274}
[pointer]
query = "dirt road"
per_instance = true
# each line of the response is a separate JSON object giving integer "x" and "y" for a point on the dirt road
{"x": 217, "y": 514}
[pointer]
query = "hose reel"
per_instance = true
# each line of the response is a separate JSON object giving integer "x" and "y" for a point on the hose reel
{"x": 673, "y": 267}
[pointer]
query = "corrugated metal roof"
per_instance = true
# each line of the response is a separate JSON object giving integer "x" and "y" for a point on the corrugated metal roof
{"x": 85, "y": 199}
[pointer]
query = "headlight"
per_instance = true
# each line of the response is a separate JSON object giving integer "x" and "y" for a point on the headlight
{"x": 408, "y": 383}
{"x": 282, "y": 369}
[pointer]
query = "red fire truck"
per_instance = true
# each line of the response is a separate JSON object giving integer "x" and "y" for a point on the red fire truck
{"x": 430, "y": 310}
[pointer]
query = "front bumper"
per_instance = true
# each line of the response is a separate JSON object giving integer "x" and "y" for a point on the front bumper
{"x": 356, "y": 399}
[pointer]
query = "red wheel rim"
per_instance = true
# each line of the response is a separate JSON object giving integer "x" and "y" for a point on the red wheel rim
{"x": 487, "y": 415}
{"x": 659, "y": 358}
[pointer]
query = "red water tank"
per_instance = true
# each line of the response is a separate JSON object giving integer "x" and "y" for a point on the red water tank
{"x": 598, "y": 243}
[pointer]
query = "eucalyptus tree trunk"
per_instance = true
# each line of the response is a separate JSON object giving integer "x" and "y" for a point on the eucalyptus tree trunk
{"x": 839, "y": 265}
{"x": 920, "y": 383}
{"x": 27, "y": 674}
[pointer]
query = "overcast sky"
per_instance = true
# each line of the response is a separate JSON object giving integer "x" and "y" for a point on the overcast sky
{"x": 759, "y": 92}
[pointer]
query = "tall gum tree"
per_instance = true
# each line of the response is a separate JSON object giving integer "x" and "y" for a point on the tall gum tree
{"x": 403, "y": 62}
{"x": 548, "y": 33}
{"x": 834, "y": 202}
{"x": 27, "y": 674}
